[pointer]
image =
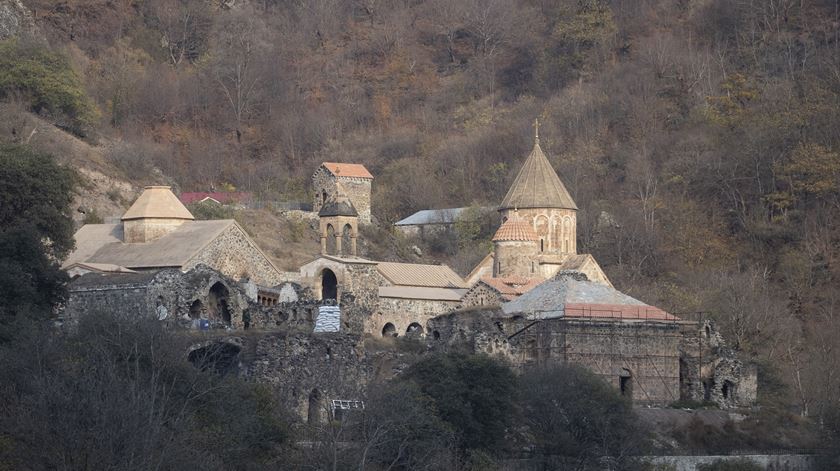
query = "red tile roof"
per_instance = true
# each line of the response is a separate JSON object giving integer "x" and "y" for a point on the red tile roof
{"x": 617, "y": 311}
{"x": 511, "y": 287}
{"x": 347, "y": 170}
{"x": 221, "y": 197}
{"x": 516, "y": 229}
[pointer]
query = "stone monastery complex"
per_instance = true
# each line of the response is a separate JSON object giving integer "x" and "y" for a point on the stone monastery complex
{"x": 534, "y": 300}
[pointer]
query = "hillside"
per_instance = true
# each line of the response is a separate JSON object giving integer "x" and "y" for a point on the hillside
{"x": 698, "y": 138}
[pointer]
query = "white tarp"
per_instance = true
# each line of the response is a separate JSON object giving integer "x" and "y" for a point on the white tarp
{"x": 329, "y": 319}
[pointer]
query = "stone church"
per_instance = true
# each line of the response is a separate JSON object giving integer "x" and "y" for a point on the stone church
{"x": 534, "y": 300}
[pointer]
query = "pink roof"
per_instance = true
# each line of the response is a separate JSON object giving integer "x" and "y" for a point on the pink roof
{"x": 511, "y": 287}
{"x": 617, "y": 311}
{"x": 347, "y": 170}
{"x": 221, "y": 197}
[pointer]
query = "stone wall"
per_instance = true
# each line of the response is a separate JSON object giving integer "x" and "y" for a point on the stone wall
{"x": 401, "y": 313}
{"x": 481, "y": 294}
{"x": 515, "y": 258}
{"x": 325, "y": 186}
{"x": 148, "y": 229}
{"x": 358, "y": 280}
{"x": 235, "y": 255}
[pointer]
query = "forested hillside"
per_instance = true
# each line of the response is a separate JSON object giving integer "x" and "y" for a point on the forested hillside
{"x": 699, "y": 138}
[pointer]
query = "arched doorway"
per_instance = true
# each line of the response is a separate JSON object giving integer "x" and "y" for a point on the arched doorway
{"x": 625, "y": 383}
{"x": 414, "y": 329}
{"x": 388, "y": 330}
{"x": 329, "y": 285}
{"x": 218, "y": 300}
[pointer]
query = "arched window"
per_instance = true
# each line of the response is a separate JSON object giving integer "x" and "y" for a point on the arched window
{"x": 329, "y": 285}
{"x": 388, "y": 330}
{"x": 346, "y": 234}
{"x": 625, "y": 383}
{"x": 331, "y": 246}
{"x": 414, "y": 329}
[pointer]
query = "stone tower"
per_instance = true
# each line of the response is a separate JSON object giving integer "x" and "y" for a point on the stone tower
{"x": 339, "y": 223}
{"x": 543, "y": 201}
{"x": 352, "y": 181}
{"x": 516, "y": 246}
{"x": 156, "y": 212}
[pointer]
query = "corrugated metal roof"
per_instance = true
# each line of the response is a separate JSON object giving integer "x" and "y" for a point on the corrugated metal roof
{"x": 413, "y": 274}
{"x": 421, "y": 292}
{"x": 99, "y": 243}
{"x": 432, "y": 216}
{"x": 347, "y": 170}
{"x": 157, "y": 202}
{"x": 537, "y": 185}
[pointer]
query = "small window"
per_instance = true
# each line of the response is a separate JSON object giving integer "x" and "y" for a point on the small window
{"x": 542, "y": 245}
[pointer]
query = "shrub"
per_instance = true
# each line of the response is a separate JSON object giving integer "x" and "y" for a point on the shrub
{"x": 44, "y": 78}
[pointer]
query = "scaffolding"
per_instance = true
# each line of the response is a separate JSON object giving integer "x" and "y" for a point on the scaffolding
{"x": 637, "y": 343}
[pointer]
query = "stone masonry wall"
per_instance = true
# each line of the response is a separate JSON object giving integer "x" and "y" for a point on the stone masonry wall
{"x": 403, "y": 312}
{"x": 233, "y": 254}
{"x": 481, "y": 295}
{"x": 516, "y": 258}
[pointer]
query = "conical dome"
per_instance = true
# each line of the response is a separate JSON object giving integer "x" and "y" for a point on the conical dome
{"x": 515, "y": 229}
{"x": 537, "y": 185}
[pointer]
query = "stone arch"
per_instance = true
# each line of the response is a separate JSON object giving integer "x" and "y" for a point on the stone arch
{"x": 347, "y": 240}
{"x": 314, "y": 408}
{"x": 414, "y": 329}
{"x": 329, "y": 232}
{"x": 329, "y": 285}
{"x": 389, "y": 330}
{"x": 218, "y": 304}
{"x": 195, "y": 309}
{"x": 625, "y": 383}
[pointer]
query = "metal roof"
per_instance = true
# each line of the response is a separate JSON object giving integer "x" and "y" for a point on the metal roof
{"x": 102, "y": 243}
{"x": 157, "y": 202}
{"x": 413, "y": 274}
{"x": 537, "y": 185}
{"x": 432, "y": 216}
{"x": 422, "y": 292}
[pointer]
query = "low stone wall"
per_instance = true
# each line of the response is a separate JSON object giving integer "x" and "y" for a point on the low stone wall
{"x": 767, "y": 462}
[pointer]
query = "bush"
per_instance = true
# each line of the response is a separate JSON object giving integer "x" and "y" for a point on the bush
{"x": 44, "y": 78}
{"x": 207, "y": 210}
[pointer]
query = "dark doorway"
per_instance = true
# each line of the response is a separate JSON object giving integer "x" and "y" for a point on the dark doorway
{"x": 728, "y": 390}
{"x": 388, "y": 330}
{"x": 625, "y": 383}
{"x": 708, "y": 387}
{"x": 218, "y": 300}
{"x": 329, "y": 285}
{"x": 195, "y": 309}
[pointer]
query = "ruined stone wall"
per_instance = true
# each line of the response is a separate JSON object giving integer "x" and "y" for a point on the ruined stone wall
{"x": 357, "y": 190}
{"x": 233, "y": 254}
{"x": 403, "y": 312}
{"x": 481, "y": 295}
{"x": 712, "y": 371}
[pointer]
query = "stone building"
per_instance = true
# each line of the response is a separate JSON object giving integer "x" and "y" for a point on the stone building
{"x": 158, "y": 232}
{"x": 539, "y": 200}
{"x": 649, "y": 355}
{"x": 353, "y": 181}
